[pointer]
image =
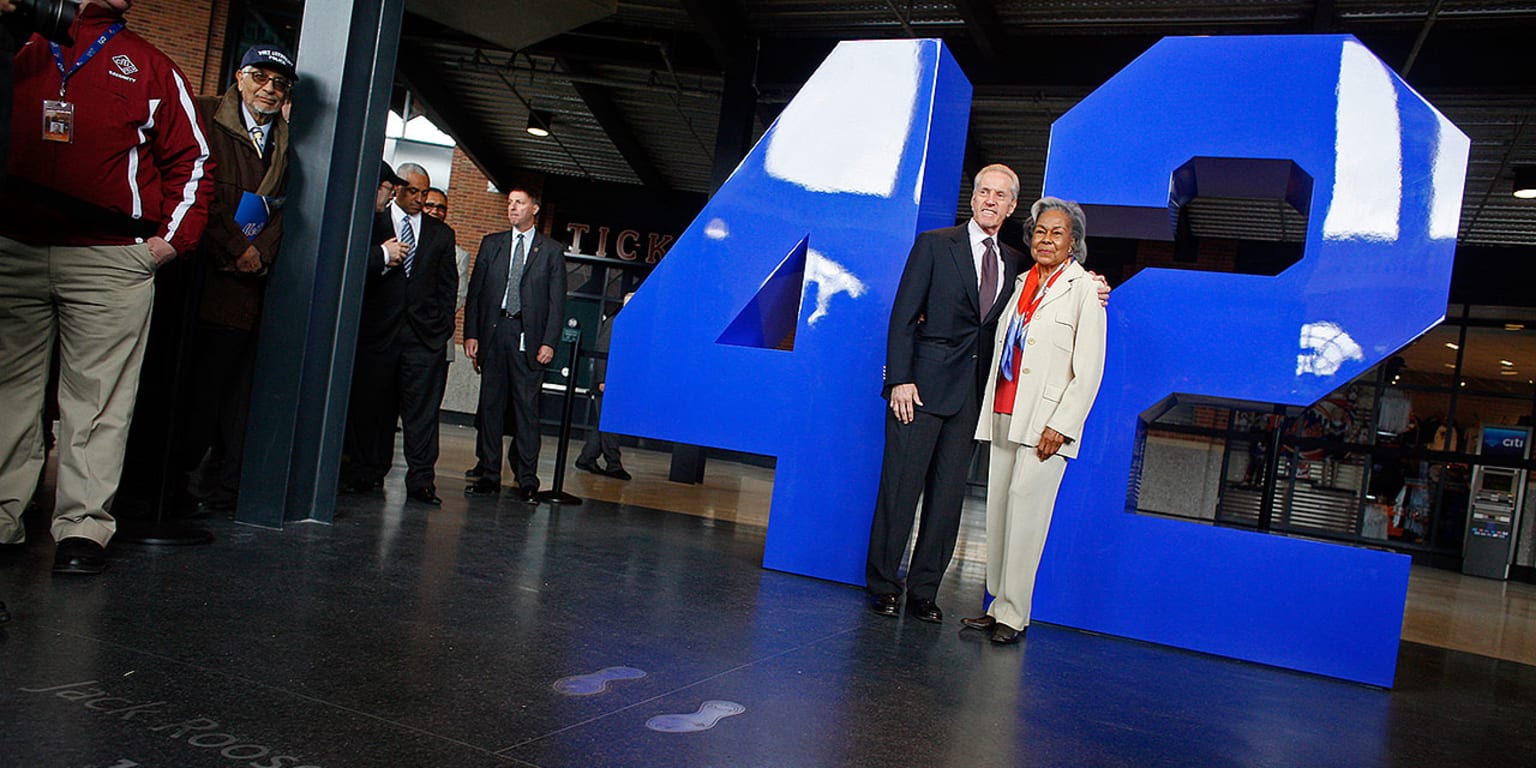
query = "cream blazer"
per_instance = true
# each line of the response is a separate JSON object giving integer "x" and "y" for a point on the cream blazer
{"x": 1062, "y": 365}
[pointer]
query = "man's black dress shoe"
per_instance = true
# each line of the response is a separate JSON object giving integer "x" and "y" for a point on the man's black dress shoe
{"x": 925, "y": 610}
{"x": 220, "y": 503}
{"x": 4, "y": 614}
{"x": 528, "y": 493}
{"x": 888, "y": 604}
{"x": 361, "y": 486}
{"x": 589, "y": 466}
{"x": 483, "y": 487}
{"x": 473, "y": 473}
{"x": 425, "y": 496}
{"x": 617, "y": 473}
{"x": 79, "y": 555}
{"x": 1002, "y": 634}
{"x": 982, "y": 622}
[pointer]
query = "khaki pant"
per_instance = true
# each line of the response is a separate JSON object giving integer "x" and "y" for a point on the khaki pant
{"x": 1021, "y": 494}
{"x": 95, "y": 302}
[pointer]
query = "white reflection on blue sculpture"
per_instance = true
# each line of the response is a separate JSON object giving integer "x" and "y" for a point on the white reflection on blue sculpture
{"x": 848, "y": 134}
{"x": 829, "y": 278}
{"x": 1324, "y": 348}
{"x": 1368, "y": 181}
{"x": 1450, "y": 178}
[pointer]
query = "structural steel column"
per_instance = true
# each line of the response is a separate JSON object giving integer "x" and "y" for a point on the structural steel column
{"x": 346, "y": 65}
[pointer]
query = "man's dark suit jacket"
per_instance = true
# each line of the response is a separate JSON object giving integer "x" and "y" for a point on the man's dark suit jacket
{"x": 424, "y": 302}
{"x": 938, "y": 338}
{"x": 542, "y": 291}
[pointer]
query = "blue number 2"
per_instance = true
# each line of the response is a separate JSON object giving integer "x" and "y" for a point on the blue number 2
{"x": 1386, "y": 172}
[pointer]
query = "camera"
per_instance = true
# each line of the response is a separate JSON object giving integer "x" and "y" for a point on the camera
{"x": 49, "y": 18}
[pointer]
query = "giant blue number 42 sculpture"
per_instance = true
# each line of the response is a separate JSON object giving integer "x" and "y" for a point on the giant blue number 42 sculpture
{"x": 806, "y": 240}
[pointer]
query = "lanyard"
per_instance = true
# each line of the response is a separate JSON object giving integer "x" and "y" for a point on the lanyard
{"x": 1018, "y": 327}
{"x": 90, "y": 53}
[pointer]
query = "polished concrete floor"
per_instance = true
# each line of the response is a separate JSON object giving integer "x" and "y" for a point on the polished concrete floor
{"x": 496, "y": 633}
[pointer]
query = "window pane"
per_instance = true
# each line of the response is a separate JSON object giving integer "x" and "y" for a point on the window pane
{"x": 1499, "y": 360}
{"x": 1430, "y": 361}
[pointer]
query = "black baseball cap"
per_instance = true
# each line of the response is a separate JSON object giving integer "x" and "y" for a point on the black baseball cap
{"x": 388, "y": 174}
{"x": 273, "y": 57}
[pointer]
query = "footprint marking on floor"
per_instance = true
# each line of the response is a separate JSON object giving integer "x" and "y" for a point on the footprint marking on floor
{"x": 709, "y": 715}
{"x": 594, "y": 683}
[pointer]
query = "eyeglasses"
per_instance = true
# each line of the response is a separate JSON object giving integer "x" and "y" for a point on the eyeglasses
{"x": 435, "y": 206}
{"x": 261, "y": 78}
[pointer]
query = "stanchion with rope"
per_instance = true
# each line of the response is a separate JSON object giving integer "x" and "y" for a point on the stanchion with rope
{"x": 557, "y": 494}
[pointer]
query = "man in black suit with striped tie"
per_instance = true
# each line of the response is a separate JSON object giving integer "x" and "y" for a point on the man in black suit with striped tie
{"x": 512, "y": 321}
{"x": 407, "y": 318}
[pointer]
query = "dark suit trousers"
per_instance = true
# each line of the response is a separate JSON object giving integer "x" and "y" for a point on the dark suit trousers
{"x": 600, "y": 442}
{"x": 405, "y": 378}
{"x": 508, "y": 381}
{"x": 221, "y": 395}
{"x": 929, "y": 458}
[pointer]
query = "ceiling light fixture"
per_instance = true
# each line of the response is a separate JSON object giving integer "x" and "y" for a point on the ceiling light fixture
{"x": 1509, "y": 373}
{"x": 1506, "y": 363}
{"x": 1514, "y": 326}
{"x": 1452, "y": 345}
{"x": 1525, "y": 182}
{"x": 539, "y": 121}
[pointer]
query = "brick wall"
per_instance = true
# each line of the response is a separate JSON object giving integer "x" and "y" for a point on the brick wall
{"x": 191, "y": 32}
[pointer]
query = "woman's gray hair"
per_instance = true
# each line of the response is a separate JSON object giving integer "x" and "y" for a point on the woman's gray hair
{"x": 1079, "y": 248}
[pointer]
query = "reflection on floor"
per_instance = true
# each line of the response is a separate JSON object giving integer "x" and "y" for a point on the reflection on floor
{"x": 495, "y": 633}
{"x": 1445, "y": 608}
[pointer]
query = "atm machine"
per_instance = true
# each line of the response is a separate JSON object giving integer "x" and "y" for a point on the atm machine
{"x": 1497, "y": 495}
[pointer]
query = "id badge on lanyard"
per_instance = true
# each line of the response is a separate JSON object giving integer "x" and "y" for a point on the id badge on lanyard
{"x": 58, "y": 121}
{"x": 59, "y": 115}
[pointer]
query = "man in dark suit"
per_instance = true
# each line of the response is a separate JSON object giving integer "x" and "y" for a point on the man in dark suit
{"x": 598, "y": 442}
{"x": 407, "y": 318}
{"x": 512, "y": 322}
{"x": 938, "y": 350}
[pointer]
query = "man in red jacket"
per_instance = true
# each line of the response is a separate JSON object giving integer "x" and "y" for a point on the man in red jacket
{"x": 109, "y": 179}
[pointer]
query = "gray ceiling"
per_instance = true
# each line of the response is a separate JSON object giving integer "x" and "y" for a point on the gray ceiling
{"x": 636, "y": 95}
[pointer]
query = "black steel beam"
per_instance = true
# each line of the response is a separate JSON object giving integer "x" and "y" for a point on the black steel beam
{"x": 1322, "y": 16}
{"x": 628, "y": 47}
{"x": 446, "y": 110}
{"x": 611, "y": 117}
{"x": 723, "y": 26}
{"x": 984, "y": 28}
{"x": 309, "y": 324}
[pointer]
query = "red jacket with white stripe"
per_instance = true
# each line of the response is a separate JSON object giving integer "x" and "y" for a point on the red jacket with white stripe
{"x": 138, "y": 166}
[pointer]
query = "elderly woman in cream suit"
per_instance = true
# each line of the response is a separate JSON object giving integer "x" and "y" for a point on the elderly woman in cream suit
{"x": 1048, "y": 362}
